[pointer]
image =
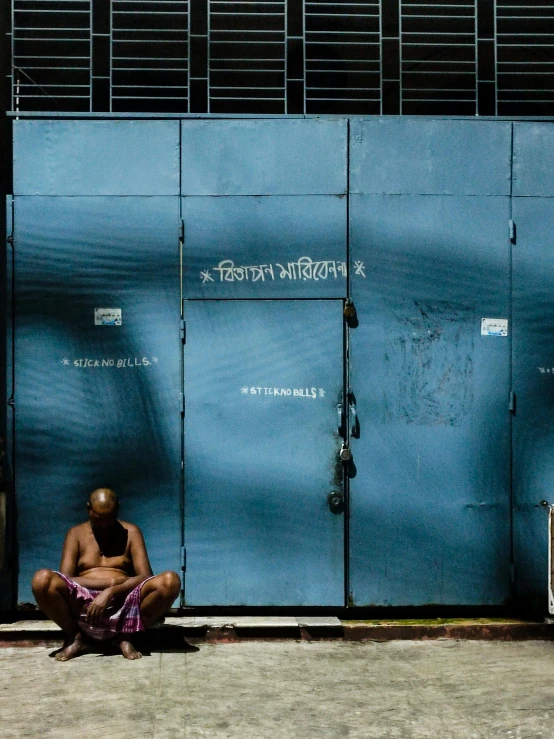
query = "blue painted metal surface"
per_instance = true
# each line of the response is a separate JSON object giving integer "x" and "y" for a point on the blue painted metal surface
{"x": 533, "y": 479}
{"x": 398, "y": 155}
{"x": 96, "y": 157}
{"x": 265, "y": 247}
{"x": 262, "y": 383}
{"x": 430, "y": 518}
{"x": 270, "y": 157}
{"x": 6, "y": 425}
{"x": 430, "y": 506}
{"x": 96, "y": 405}
{"x": 533, "y": 171}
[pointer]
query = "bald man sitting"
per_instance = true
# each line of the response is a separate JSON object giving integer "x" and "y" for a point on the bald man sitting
{"x": 104, "y": 588}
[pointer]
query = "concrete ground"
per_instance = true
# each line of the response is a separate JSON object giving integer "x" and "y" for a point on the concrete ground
{"x": 286, "y": 689}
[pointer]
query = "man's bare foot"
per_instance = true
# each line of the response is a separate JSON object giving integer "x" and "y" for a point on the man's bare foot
{"x": 73, "y": 647}
{"x": 127, "y": 649}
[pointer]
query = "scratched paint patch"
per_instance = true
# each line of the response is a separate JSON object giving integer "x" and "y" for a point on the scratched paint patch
{"x": 107, "y": 316}
{"x": 431, "y": 353}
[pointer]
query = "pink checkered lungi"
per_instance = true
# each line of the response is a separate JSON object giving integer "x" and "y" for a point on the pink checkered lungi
{"x": 126, "y": 620}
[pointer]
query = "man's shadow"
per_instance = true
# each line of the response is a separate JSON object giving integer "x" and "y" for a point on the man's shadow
{"x": 113, "y": 542}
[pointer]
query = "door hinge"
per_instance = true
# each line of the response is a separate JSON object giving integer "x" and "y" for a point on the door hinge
{"x": 512, "y": 402}
{"x": 513, "y": 233}
{"x": 182, "y": 403}
{"x": 11, "y": 401}
{"x": 183, "y": 559}
{"x": 183, "y": 330}
{"x": 182, "y": 231}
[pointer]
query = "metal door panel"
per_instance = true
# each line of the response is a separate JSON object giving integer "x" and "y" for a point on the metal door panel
{"x": 430, "y": 519}
{"x": 550, "y": 563}
{"x": 6, "y": 446}
{"x": 96, "y": 405}
{"x": 533, "y": 147}
{"x": 400, "y": 155}
{"x": 96, "y": 157}
{"x": 262, "y": 383}
{"x": 265, "y": 247}
{"x": 533, "y": 368}
{"x": 264, "y": 157}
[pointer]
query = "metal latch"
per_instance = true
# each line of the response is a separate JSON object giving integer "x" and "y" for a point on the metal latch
{"x": 512, "y": 402}
{"x": 340, "y": 420}
{"x": 513, "y": 232}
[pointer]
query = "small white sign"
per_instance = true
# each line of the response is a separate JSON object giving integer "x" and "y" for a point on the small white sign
{"x": 107, "y": 316}
{"x": 494, "y": 327}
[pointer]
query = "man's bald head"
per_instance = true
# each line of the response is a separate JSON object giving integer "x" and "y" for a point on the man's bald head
{"x": 102, "y": 508}
{"x": 103, "y": 500}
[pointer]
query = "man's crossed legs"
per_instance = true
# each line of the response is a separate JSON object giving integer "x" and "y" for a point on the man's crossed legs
{"x": 54, "y": 598}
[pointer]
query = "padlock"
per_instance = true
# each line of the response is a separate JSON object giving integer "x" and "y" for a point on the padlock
{"x": 345, "y": 454}
{"x": 349, "y": 310}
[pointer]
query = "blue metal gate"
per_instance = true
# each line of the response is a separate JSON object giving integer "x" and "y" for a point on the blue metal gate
{"x": 263, "y": 380}
{"x": 264, "y": 213}
{"x": 429, "y": 260}
{"x": 269, "y": 226}
{"x": 533, "y": 356}
{"x": 97, "y": 351}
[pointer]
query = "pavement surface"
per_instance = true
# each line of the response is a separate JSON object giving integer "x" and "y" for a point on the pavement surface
{"x": 445, "y": 689}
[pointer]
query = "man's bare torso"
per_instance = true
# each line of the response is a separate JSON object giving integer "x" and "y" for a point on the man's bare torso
{"x": 103, "y": 561}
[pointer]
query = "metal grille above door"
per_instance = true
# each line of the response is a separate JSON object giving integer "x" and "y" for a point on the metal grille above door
{"x": 453, "y": 57}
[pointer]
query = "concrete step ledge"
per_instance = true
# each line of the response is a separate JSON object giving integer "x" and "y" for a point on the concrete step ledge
{"x": 209, "y": 629}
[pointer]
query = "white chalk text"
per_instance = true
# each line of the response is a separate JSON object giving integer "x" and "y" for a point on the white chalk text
{"x": 303, "y": 269}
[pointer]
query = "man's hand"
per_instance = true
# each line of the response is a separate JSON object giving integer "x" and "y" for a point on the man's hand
{"x": 96, "y": 609}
